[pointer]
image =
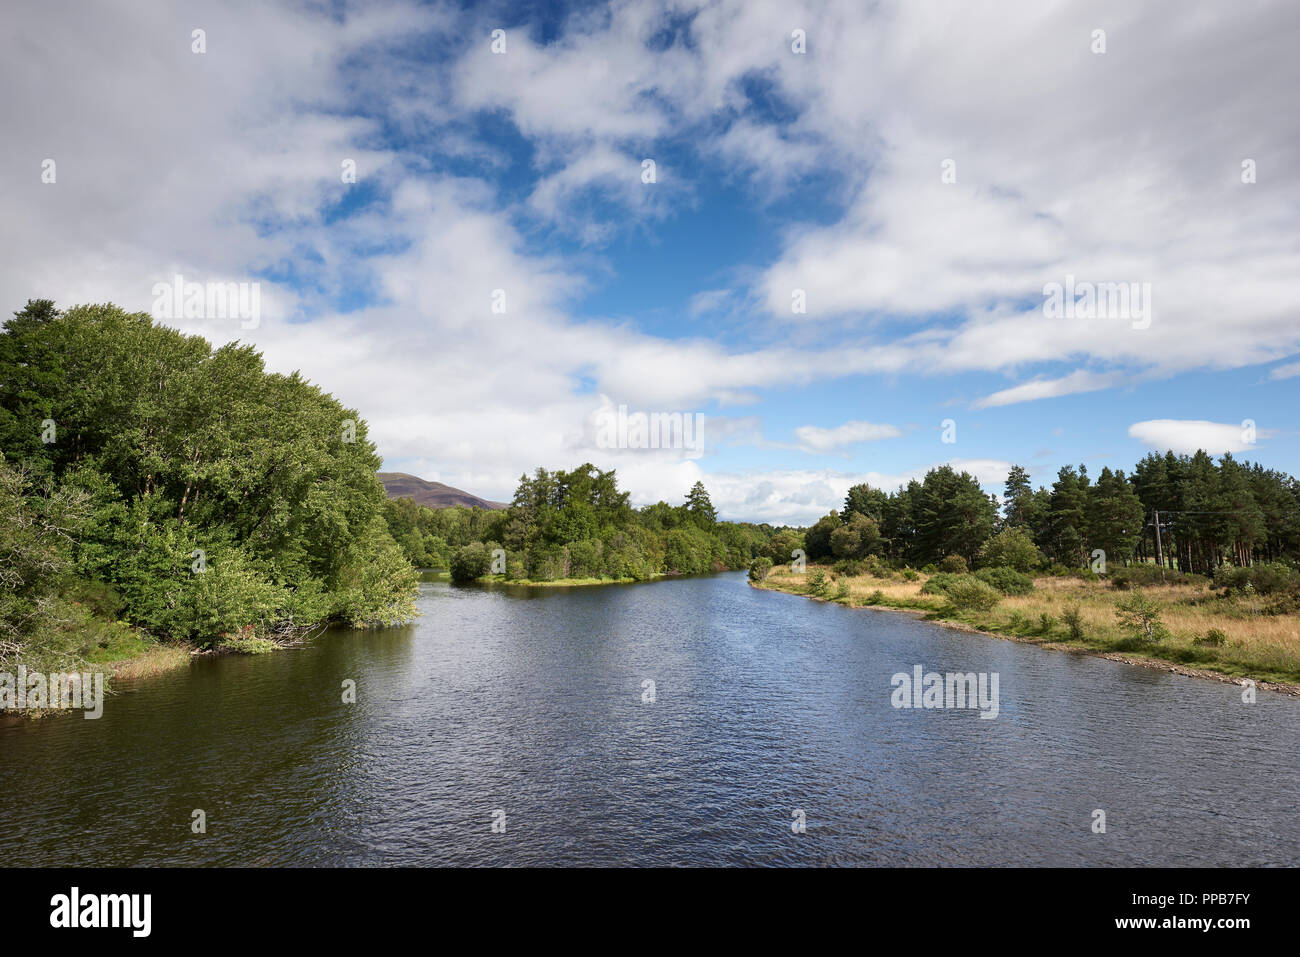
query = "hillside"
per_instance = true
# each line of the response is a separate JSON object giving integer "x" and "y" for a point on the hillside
{"x": 431, "y": 494}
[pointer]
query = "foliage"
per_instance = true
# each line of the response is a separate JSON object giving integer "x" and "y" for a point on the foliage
{"x": 1213, "y": 638}
{"x": 577, "y": 524}
{"x": 1148, "y": 576}
{"x": 1072, "y": 616}
{"x": 1142, "y": 615}
{"x": 1006, "y": 580}
{"x": 1011, "y": 548}
{"x": 760, "y": 568}
{"x": 1268, "y": 578}
{"x": 969, "y": 593}
{"x": 211, "y": 495}
{"x": 470, "y": 563}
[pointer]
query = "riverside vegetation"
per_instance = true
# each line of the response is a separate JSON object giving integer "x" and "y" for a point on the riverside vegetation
{"x": 158, "y": 494}
{"x": 575, "y": 527}
{"x": 1076, "y": 566}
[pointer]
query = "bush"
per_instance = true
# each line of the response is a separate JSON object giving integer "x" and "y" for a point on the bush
{"x": 1145, "y": 576}
{"x": 1046, "y": 623}
{"x": 1006, "y": 580}
{"x": 1142, "y": 615}
{"x": 1214, "y": 638}
{"x": 1269, "y": 578}
{"x": 470, "y": 563}
{"x": 850, "y": 567}
{"x": 953, "y": 564}
{"x": 939, "y": 583}
{"x": 969, "y": 593}
{"x": 760, "y": 568}
{"x": 877, "y": 597}
{"x": 1073, "y": 619}
{"x": 1011, "y": 548}
{"x": 910, "y": 574}
{"x": 817, "y": 582}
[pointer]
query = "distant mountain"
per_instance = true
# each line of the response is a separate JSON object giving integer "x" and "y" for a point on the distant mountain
{"x": 432, "y": 494}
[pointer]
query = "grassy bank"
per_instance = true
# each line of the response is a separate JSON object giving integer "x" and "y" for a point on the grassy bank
{"x": 1206, "y": 631}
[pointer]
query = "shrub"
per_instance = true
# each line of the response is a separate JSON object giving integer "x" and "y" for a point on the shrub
{"x": 470, "y": 563}
{"x": 1073, "y": 619}
{"x": 760, "y": 568}
{"x": 939, "y": 583}
{"x": 817, "y": 582}
{"x": 877, "y": 597}
{"x": 842, "y": 591}
{"x": 1214, "y": 637}
{"x": 1011, "y": 548}
{"x": 1269, "y": 578}
{"x": 1006, "y": 580}
{"x": 1142, "y": 615}
{"x": 849, "y": 567}
{"x": 953, "y": 564}
{"x": 246, "y": 642}
{"x": 969, "y": 593}
{"x": 910, "y": 574}
{"x": 1144, "y": 576}
{"x": 1046, "y": 623}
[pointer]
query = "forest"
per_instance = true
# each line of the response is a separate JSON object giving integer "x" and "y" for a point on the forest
{"x": 575, "y": 525}
{"x": 150, "y": 481}
{"x": 1211, "y": 515}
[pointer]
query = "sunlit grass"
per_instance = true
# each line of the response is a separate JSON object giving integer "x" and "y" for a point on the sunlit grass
{"x": 1266, "y": 647}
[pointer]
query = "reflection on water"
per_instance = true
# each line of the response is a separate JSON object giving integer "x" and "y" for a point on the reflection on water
{"x": 530, "y": 701}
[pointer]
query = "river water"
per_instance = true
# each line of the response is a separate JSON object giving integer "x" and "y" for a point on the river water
{"x": 528, "y": 707}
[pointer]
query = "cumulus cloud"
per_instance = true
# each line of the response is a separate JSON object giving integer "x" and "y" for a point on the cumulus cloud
{"x": 1186, "y": 436}
{"x": 225, "y": 166}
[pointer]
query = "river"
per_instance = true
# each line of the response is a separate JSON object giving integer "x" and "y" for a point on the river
{"x": 528, "y": 708}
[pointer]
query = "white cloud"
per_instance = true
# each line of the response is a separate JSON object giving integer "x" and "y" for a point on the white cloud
{"x": 800, "y": 497}
{"x": 815, "y": 439}
{"x": 1078, "y": 381}
{"x": 224, "y": 165}
{"x": 1186, "y": 436}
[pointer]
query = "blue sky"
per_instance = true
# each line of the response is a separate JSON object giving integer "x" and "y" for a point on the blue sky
{"x": 919, "y": 171}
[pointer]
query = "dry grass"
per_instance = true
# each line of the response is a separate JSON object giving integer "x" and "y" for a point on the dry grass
{"x": 156, "y": 660}
{"x": 1266, "y": 647}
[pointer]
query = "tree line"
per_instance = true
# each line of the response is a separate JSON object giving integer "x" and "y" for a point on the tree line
{"x": 180, "y": 487}
{"x": 575, "y": 525}
{"x": 1210, "y": 515}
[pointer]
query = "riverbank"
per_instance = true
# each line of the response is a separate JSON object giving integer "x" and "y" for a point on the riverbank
{"x": 1263, "y": 648}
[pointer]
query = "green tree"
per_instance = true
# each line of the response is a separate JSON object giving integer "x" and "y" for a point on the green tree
{"x": 700, "y": 507}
